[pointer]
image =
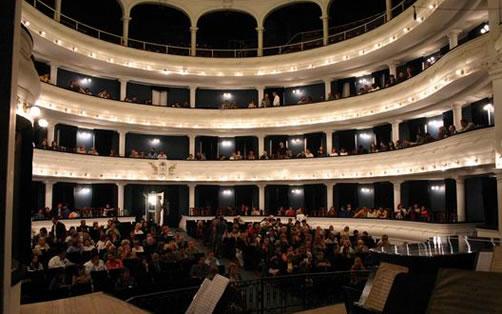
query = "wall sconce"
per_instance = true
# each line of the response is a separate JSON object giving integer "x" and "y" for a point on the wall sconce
{"x": 485, "y": 29}
{"x": 435, "y": 123}
{"x": 84, "y": 191}
{"x": 437, "y": 188}
{"x": 227, "y": 192}
{"x": 296, "y": 141}
{"x": 152, "y": 199}
{"x": 226, "y": 143}
{"x": 297, "y": 92}
{"x": 85, "y": 81}
{"x": 297, "y": 191}
{"x": 84, "y": 135}
{"x": 366, "y": 190}
{"x": 155, "y": 141}
{"x": 43, "y": 123}
{"x": 227, "y": 96}
{"x": 365, "y": 136}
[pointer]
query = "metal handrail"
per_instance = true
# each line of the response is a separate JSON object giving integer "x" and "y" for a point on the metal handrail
{"x": 374, "y": 21}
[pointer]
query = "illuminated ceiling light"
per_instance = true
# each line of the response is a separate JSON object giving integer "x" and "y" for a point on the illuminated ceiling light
{"x": 34, "y": 112}
{"x": 394, "y": 37}
{"x": 361, "y": 52}
{"x": 241, "y": 74}
{"x": 165, "y": 71}
{"x": 460, "y": 72}
{"x": 42, "y": 33}
{"x": 43, "y": 123}
{"x": 110, "y": 60}
{"x": 485, "y": 29}
{"x": 57, "y": 41}
{"x": 92, "y": 55}
{"x": 420, "y": 19}
{"x": 26, "y": 23}
{"x": 406, "y": 29}
{"x": 155, "y": 141}
{"x": 75, "y": 49}
{"x": 488, "y": 108}
{"x": 345, "y": 57}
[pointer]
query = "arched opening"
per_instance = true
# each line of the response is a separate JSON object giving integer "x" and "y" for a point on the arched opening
{"x": 227, "y": 30}
{"x": 159, "y": 24}
{"x": 346, "y": 15}
{"x": 104, "y": 15}
{"x": 293, "y": 23}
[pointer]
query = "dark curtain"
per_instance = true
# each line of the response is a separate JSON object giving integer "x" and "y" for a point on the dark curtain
{"x": 38, "y": 200}
{"x": 346, "y": 193}
{"x": 276, "y": 196}
{"x": 414, "y": 127}
{"x": 415, "y": 192}
{"x": 272, "y": 143}
{"x": 105, "y": 141}
{"x": 450, "y": 197}
{"x": 384, "y": 194}
{"x": 207, "y": 145}
{"x": 63, "y": 192}
{"x": 314, "y": 197}
{"x": 103, "y": 194}
{"x": 246, "y": 195}
{"x": 207, "y": 196}
{"x": 345, "y": 139}
{"x": 383, "y": 133}
{"x": 246, "y": 144}
{"x": 66, "y": 136}
{"x": 315, "y": 141}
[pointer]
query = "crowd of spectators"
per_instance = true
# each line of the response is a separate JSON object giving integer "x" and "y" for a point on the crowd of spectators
{"x": 75, "y": 86}
{"x": 63, "y": 211}
{"x": 120, "y": 258}
{"x": 273, "y": 247}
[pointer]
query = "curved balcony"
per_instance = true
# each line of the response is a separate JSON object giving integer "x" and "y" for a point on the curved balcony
{"x": 395, "y": 229}
{"x": 469, "y": 151}
{"x": 460, "y": 71}
{"x": 402, "y": 35}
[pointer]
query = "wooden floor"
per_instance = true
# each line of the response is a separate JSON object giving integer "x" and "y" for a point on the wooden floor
{"x": 333, "y": 309}
{"x": 85, "y": 304}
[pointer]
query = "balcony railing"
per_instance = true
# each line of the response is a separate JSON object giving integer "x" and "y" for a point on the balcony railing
{"x": 281, "y": 294}
{"x": 336, "y": 37}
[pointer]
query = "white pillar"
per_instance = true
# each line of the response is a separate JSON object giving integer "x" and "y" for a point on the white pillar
{"x": 191, "y": 196}
{"x": 325, "y": 29}
{"x": 327, "y": 88}
{"x": 193, "y": 40}
{"x": 122, "y": 143}
{"x": 261, "y": 197}
{"x": 260, "y": 30}
{"x": 499, "y": 202}
{"x": 329, "y": 195}
{"x": 329, "y": 141}
{"x": 50, "y": 132}
{"x": 261, "y": 94}
{"x": 395, "y": 131}
{"x": 125, "y": 30}
{"x": 388, "y": 10}
{"x": 57, "y": 10}
{"x": 457, "y": 115}
{"x": 397, "y": 193}
{"x": 261, "y": 144}
{"x": 191, "y": 144}
{"x": 48, "y": 193}
{"x": 123, "y": 89}
{"x": 53, "y": 76}
{"x": 460, "y": 191}
{"x": 193, "y": 93}
{"x": 453, "y": 38}
{"x": 393, "y": 68}
{"x": 120, "y": 198}
{"x": 496, "y": 76}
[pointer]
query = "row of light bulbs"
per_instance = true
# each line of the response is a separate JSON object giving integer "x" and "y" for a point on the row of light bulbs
{"x": 293, "y": 68}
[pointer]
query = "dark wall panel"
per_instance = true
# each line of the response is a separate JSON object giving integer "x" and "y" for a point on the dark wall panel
{"x": 212, "y": 98}
{"x": 96, "y": 84}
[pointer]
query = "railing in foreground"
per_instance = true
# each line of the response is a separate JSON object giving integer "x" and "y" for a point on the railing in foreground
{"x": 315, "y": 41}
{"x": 282, "y": 294}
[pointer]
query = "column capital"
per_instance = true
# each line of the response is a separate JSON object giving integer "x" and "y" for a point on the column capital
{"x": 49, "y": 182}
{"x": 454, "y": 32}
{"x": 194, "y": 29}
{"x": 260, "y": 29}
{"x": 397, "y": 121}
{"x": 126, "y": 18}
{"x": 324, "y": 17}
{"x": 393, "y": 63}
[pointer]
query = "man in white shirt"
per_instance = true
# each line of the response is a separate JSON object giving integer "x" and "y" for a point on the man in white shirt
{"x": 277, "y": 100}
{"x": 95, "y": 264}
{"x": 58, "y": 261}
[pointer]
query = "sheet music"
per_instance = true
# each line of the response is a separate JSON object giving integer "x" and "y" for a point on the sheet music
{"x": 484, "y": 261}
{"x": 382, "y": 283}
{"x": 208, "y": 295}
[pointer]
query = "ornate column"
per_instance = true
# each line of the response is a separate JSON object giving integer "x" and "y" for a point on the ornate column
{"x": 325, "y": 29}
{"x": 393, "y": 68}
{"x": 260, "y": 30}
{"x": 329, "y": 194}
{"x": 191, "y": 144}
{"x": 50, "y": 132}
{"x": 388, "y": 10}
{"x": 395, "y": 131}
{"x": 57, "y": 10}
{"x": 120, "y": 198}
{"x": 453, "y": 37}
{"x": 53, "y": 76}
{"x": 261, "y": 196}
{"x": 49, "y": 185}
{"x": 261, "y": 93}
{"x": 191, "y": 197}
{"x": 125, "y": 30}
{"x": 329, "y": 140}
{"x": 397, "y": 192}
{"x": 261, "y": 145}
{"x": 460, "y": 191}
{"x": 457, "y": 115}
{"x": 122, "y": 143}
{"x": 123, "y": 89}
{"x": 327, "y": 88}
{"x": 193, "y": 40}
{"x": 193, "y": 93}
